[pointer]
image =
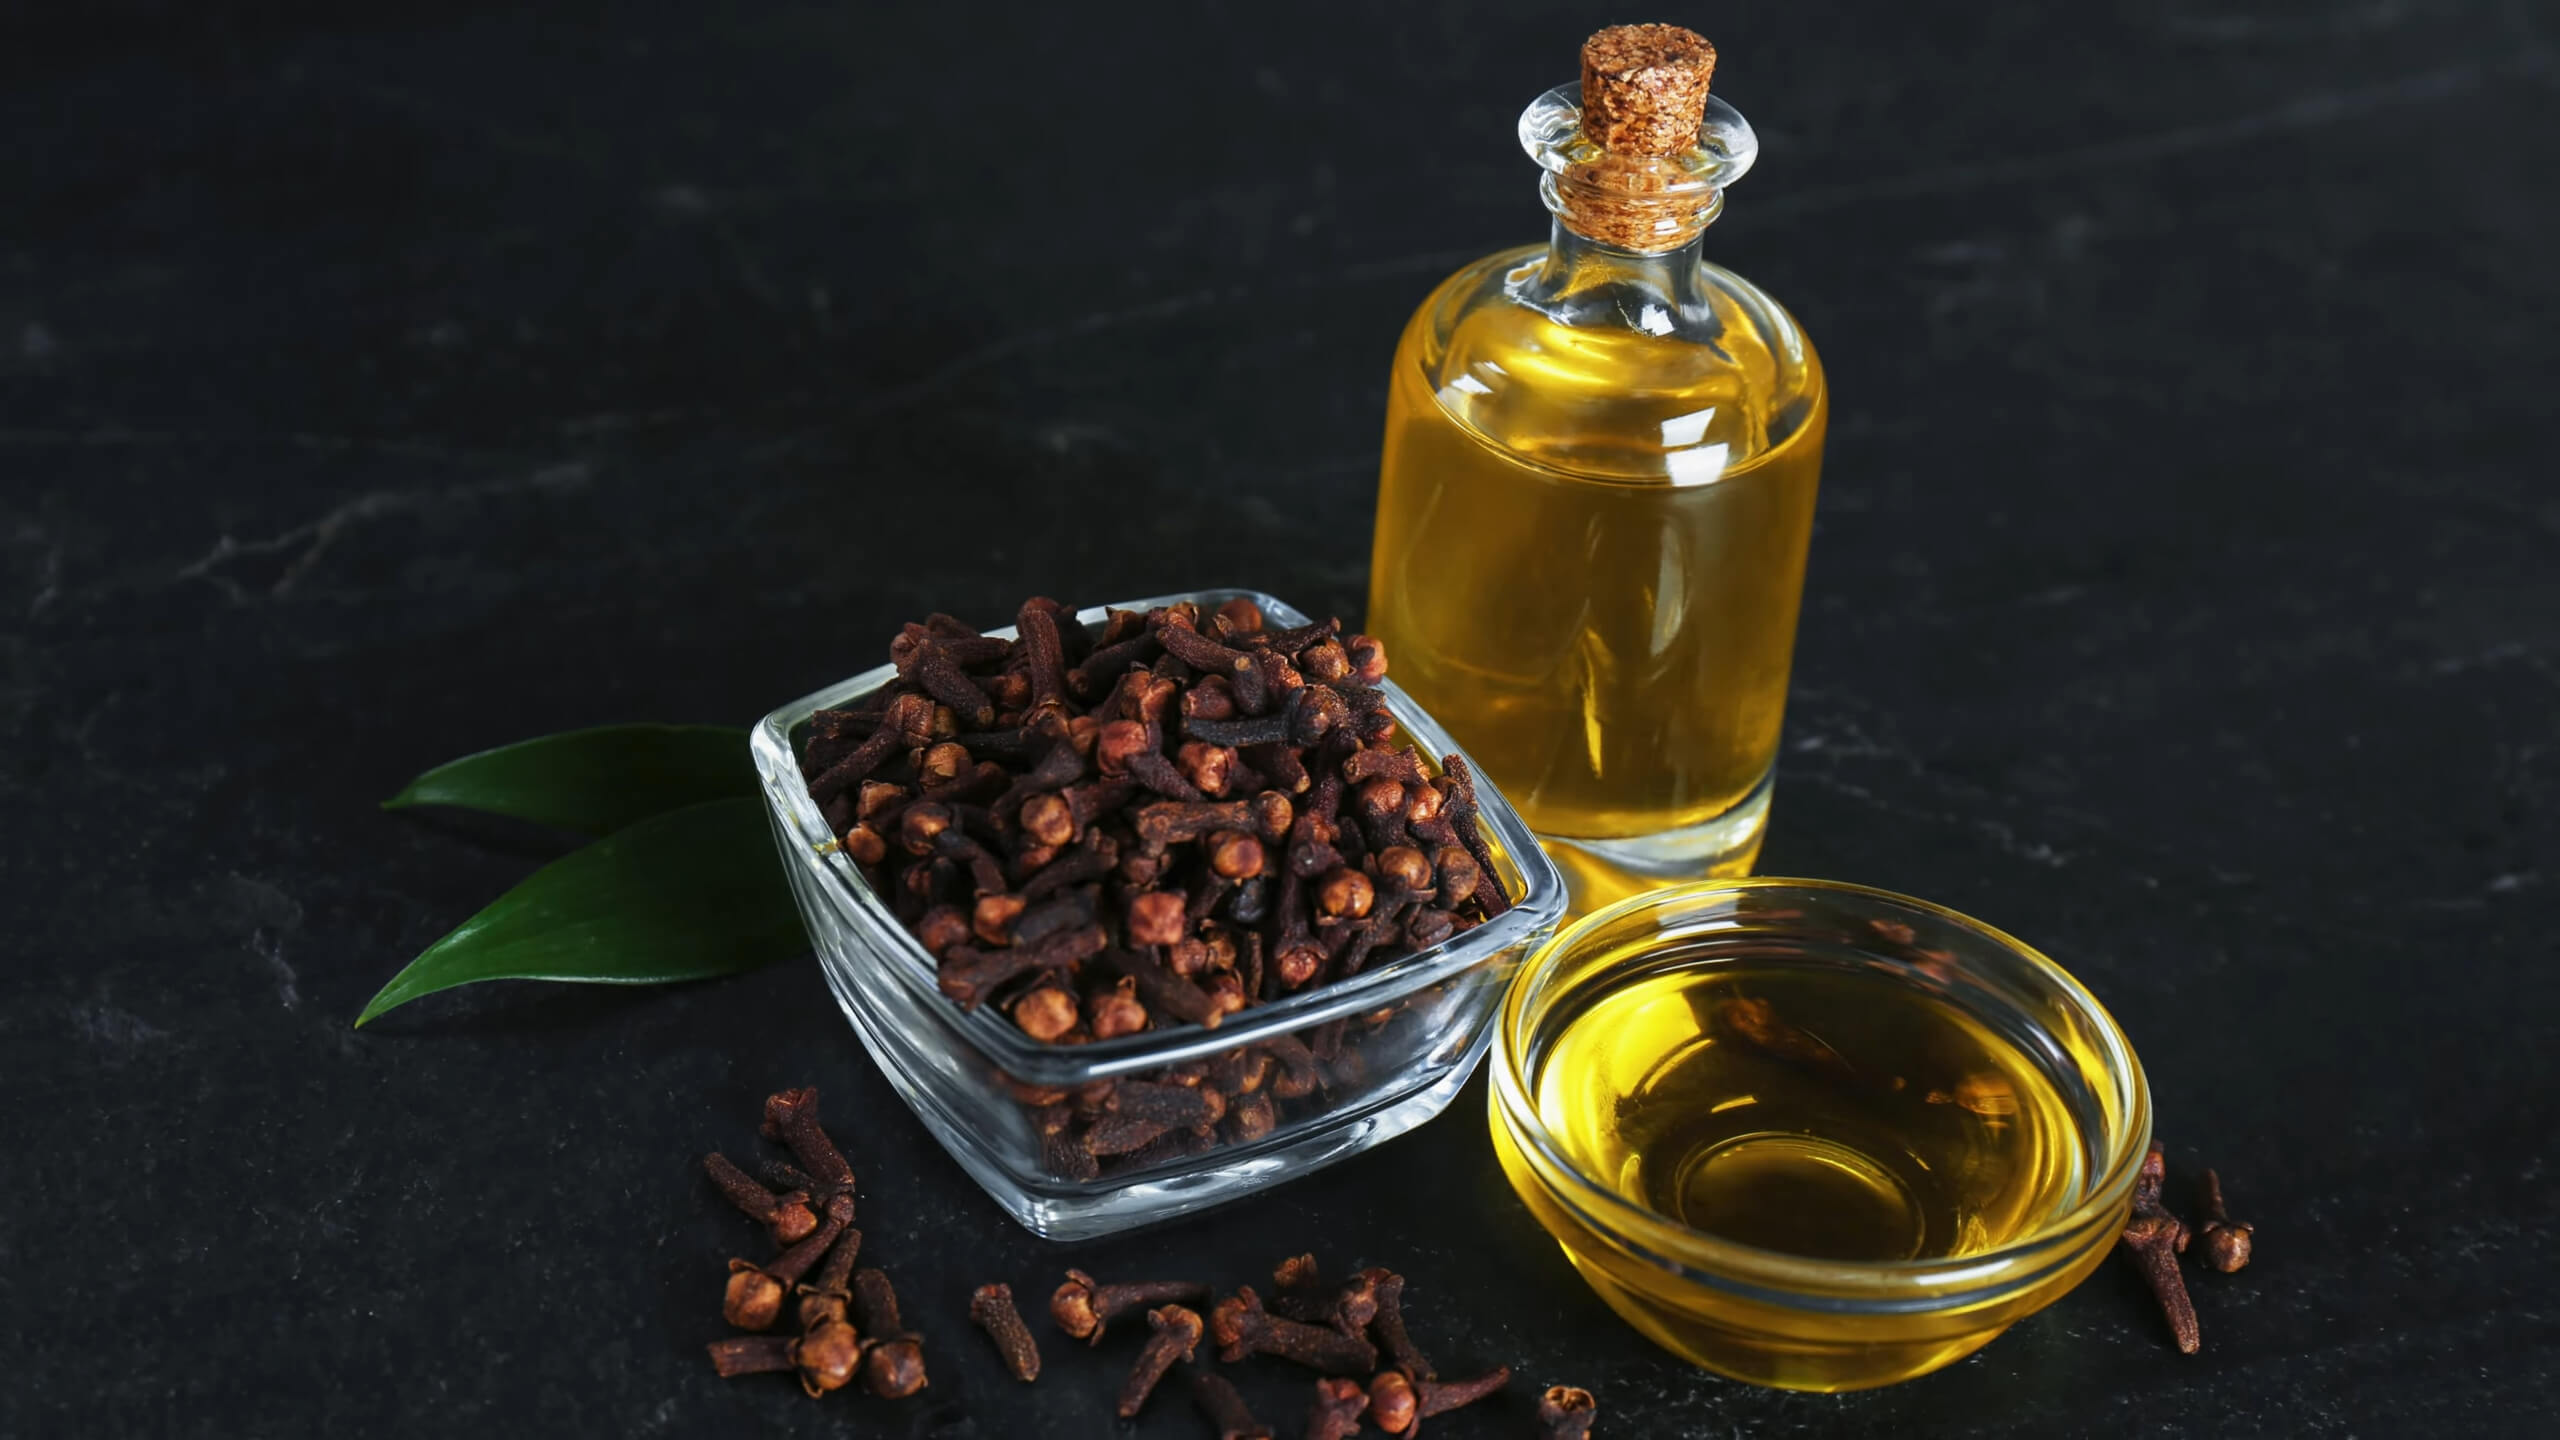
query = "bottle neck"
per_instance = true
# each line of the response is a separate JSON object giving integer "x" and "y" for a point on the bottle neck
{"x": 1583, "y": 281}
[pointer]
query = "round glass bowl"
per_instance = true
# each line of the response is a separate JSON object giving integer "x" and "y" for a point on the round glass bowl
{"x": 1813, "y": 1135}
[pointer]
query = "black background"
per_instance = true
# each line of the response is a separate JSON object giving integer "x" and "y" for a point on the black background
{"x": 374, "y": 389}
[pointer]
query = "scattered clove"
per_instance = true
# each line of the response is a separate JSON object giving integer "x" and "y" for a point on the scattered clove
{"x": 827, "y": 1353}
{"x": 792, "y": 1118}
{"x": 787, "y": 1217}
{"x": 1392, "y": 1403}
{"x": 1297, "y": 1289}
{"x": 1217, "y": 1399}
{"x": 1565, "y": 1412}
{"x": 1339, "y": 1405}
{"x": 1388, "y": 1326}
{"x": 827, "y": 1297}
{"x": 892, "y": 1356}
{"x": 755, "y": 1292}
{"x": 1429, "y": 1397}
{"x": 1083, "y": 1306}
{"x": 1177, "y": 1335}
{"x": 1354, "y": 1305}
{"x": 1242, "y": 1327}
{"x": 785, "y": 1176}
{"x": 2154, "y": 1238}
{"x": 991, "y": 1306}
{"x": 2227, "y": 1242}
{"x": 821, "y": 1359}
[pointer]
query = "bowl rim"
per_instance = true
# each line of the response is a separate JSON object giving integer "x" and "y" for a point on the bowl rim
{"x": 1539, "y": 905}
{"x": 1799, "y": 1282}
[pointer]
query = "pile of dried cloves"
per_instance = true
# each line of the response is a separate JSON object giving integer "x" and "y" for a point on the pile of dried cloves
{"x": 848, "y": 1317}
{"x": 1340, "y": 1332}
{"x": 1164, "y": 798}
{"x": 1159, "y": 823}
{"x": 849, "y": 1327}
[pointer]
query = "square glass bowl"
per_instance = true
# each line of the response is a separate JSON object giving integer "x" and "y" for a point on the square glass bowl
{"x": 1377, "y": 1054}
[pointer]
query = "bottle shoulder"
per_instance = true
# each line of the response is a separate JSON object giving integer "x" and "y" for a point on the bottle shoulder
{"x": 1667, "y": 377}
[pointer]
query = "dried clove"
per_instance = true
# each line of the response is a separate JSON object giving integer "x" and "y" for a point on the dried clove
{"x": 787, "y": 1217}
{"x": 1180, "y": 1106}
{"x": 1103, "y": 668}
{"x": 1437, "y": 1397}
{"x": 1354, "y": 1305}
{"x": 1345, "y": 894}
{"x": 1238, "y": 616}
{"x": 905, "y": 718}
{"x": 1339, "y": 1405}
{"x": 1299, "y": 1073}
{"x": 1459, "y": 805}
{"x": 991, "y": 1306}
{"x": 1298, "y": 1290}
{"x": 1169, "y": 822}
{"x": 1164, "y": 991}
{"x": 1198, "y": 651}
{"x": 1392, "y": 1403}
{"x": 1295, "y": 641}
{"x": 1062, "y": 1152}
{"x": 1115, "y": 1011}
{"x": 824, "y": 1357}
{"x": 2227, "y": 1242}
{"x": 792, "y": 1118}
{"x": 1388, "y": 1326}
{"x": 829, "y": 1353}
{"x": 1225, "y": 1409}
{"x": 2154, "y": 1238}
{"x": 753, "y": 1300}
{"x": 1242, "y": 1327}
{"x": 1084, "y": 1307}
{"x": 783, "y": 1175}
{"x": 1046, "y": 1012}
{"x": 1044, "y": 655}
{"x": 828, "y": 1297}
{"x": 1565, "y": 1412}
{"x": 753, "y": 1355}
{"x": 969, "y": 975}
{"x": 1157, "y": 917}
{"x": 1177, "y": 1335}
{"x": 1130, "y": 1135}
{"x": 1251, "y": 1118}
{"x": 892, "y": 1356}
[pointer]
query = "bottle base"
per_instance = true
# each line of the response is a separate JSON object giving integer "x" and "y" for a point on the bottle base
{"x": 1601, "y": 872}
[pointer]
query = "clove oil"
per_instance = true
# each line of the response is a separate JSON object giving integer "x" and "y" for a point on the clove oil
{"x": 1597, "y": 489}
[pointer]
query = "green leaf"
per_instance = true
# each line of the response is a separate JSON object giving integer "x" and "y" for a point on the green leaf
{"x": 594, "y": 781}
{"x": 686, "y": 895}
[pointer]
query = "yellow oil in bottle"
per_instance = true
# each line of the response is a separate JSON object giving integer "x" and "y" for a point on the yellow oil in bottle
{"x": 1590, "y": 547}
{"x": 1812, "y": 1110}
{"x": 1597, "y": 488}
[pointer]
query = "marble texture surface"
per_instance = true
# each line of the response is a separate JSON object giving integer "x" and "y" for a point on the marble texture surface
{"x": 379, "y": 385}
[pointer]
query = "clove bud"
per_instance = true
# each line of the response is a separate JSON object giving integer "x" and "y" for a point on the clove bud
{"x": 1177, "y": 1335}
{"x": 2153, "y": 1239}
{"x": 1084, "y": 1307}
{"x": 1565, "y": 1412}
{"x": 2227, "y": 1242}
{"x": 991, "y": 1306}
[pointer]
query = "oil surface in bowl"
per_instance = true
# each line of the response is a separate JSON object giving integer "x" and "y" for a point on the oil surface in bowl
{"x": 1816, "y": 1109}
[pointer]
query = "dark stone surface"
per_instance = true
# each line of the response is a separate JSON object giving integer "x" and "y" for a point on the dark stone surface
{"x": 375, "y": 389}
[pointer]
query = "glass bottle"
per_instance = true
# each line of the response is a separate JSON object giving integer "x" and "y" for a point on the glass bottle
{"x": 1593, "y": 510}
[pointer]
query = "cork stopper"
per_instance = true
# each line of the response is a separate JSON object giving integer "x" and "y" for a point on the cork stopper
{"x": 1644, "y": 88}
{"x": 1638, "y": 155}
